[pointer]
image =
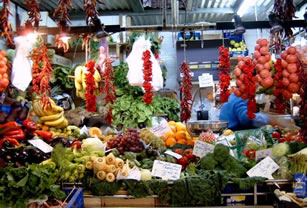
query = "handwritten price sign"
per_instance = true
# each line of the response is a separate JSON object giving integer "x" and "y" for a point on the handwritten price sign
{"x": 265, "y": 168}
{"x": 202, "y": 148}
{"x": 165, "y": 170}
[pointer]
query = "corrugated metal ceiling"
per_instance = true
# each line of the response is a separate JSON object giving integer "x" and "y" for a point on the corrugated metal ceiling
{"x": 201, "y": 11}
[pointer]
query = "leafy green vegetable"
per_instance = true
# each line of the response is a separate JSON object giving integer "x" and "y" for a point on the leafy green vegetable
{"x": 61, "y": 79}
{"x": 19, "y": 185}
{"x": 248, "y": 183}
{"x": 221, "y": 152}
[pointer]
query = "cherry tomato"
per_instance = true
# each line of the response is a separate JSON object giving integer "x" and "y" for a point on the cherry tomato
{"x": 276, "y": 135}
{"x": 251, "y": 154}
{"x": 281, "y": 140}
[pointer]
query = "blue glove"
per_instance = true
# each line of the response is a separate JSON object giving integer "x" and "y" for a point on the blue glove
{"x": 260, "y": 120}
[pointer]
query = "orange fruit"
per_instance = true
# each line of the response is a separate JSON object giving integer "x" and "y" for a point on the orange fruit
{"x": 180, "y": 126}
{"x": 94, "y": 131}
{"x": 180, "y": 135}
{"x": 173, "y": 128}
{"x": 3, "y": 53}
{"x": 170, "y": 134}
{"x": 182, "y": 141}
{"x": 170, "y": 142}
{"x": 188, "y": 136}
{"x": 172, "y": 123}
{"x": 191, "y": 142}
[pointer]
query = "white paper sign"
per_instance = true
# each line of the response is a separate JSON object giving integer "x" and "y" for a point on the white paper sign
{"x": 205, "y": 80}
{"x": 166, "y": 170}
{"x": 173, "y": 154}
{"x": 161, "y": 129}
{"x": 40, "y": 144}
{"x": 84, "y": 130}
{"x": 263, "y": 153}
{"x": 202, "y": 148}
{"x": 134, "y": 174}
{"x": 265, "y": 168}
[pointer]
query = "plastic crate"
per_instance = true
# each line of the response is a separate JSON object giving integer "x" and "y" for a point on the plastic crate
{"x": 76, "y": 199}
{"x": 232, "y": 36}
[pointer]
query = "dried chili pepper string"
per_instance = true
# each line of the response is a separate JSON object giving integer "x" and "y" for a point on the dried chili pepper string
{"x": 62, "y": 10}
{"x": 147, "y": 73}
{"x": 279, "y": 101}
{"x": 186, "y": 87}
{"x": 249, "y": 81}
{"x": 90, "y": 87}
{"x": 5, "y": 24}
{"x": 224, "y": 76}
{"x": 109, "y": 88}
{"x": 90, "y": 10}
{"x": 41, "y": 73}
{"x": 33, "y": 13}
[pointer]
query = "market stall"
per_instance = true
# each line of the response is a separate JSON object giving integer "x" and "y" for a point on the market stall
{"x": 79, "y": 128}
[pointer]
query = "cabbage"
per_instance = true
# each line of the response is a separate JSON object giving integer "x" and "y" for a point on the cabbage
{"x": 145, "y": 175}
{"x": 280, "y": 150}
{"x": 93, "y": 144}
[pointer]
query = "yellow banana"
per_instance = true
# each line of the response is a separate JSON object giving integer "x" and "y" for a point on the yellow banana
{"x": 78, "y": 74}
{"x": 57, "y": 109}
{"x": 83, "y": 77}
{"x": 82, "y": 94}
{"x": 78, "y": 86}
{"x": 56, "y": 122}
{"x": 36, "y": 109}
{"x": 62, "y": 125}
{"x": 97, "y": 76}
{"x": 52, "y": 117}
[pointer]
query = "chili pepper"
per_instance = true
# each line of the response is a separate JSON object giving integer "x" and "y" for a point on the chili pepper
{"x": 90, "y": 87}
{"x": 12, "y": 125}
{"x": 15, "y": 134}
{"x": 147, "y": 71}
{"x": 12, "y": 141}
{"x": 189, "y": 153}
{"x": 30, "y": 125}
{"x": 186, "y": 87}
{"x": 76, "y": 144}
{"x": 46, "y": 135}
{"x": 224, "y": 76}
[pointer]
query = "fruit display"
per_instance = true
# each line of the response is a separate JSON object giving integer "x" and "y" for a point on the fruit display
{"x": 262, "y": 60}
{"x": 4, "y": 77}
{"x": 178, "y": 135}
{"x": 149, "y": 138}
{"x": 129, "y": 141}
{"x": 80, "y": 81}
{"x": 291, "y": 72}
{"x": 207, "y": 137}
{"x": 50, "y": 115}
{"x": 237, "y": 46}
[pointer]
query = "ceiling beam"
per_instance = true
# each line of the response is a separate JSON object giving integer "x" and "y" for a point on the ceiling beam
{"x": 136, "y": 5}
{"x": 237, "y": 5}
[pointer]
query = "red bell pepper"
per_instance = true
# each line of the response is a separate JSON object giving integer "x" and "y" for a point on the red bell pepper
{"x": 76, "y": 144}
{"x": 12, "y": 125}
{"x": 12, "y": 141}
{"x": 46, "y": 135}
{"x": 183, "y": 161}
{"x": 30, "y": 125}
{"x": 17, "y": 134}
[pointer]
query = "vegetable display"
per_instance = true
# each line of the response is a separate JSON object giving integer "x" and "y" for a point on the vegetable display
{"x": 5, "y": 24}
{"x": 147, "y": 71}
{"x": 186, "y": 87}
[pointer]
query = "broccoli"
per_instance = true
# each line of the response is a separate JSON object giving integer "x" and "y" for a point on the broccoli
{"x": 221, "y": 153}
{"x": 234, "y": 167}
{"x": 208, "y": 162}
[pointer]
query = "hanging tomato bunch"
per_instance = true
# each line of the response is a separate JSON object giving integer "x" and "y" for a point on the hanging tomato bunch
{"x": 109, "y": 89}
{"x": 90, "y": 87}
{"x": 246, "y": 84}
{"x": 41, "y": 73}
{"x": 147, "y": 71}
{"x": 186, "y": 87}
{"x": 291, "y": 70}
{"x": 280, "y": 104}
{"x": 262, "y": 60}
{"x": 5, "y": 25}
{"x": 224, "y": 75}
{"x": 4, "y": 77}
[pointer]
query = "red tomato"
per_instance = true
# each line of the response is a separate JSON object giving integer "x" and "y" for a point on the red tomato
{"x": 237, "y": 93}
{"x": 2, "y": 70}
{"x": 258, "y": 78}
{"x": 264, "y": 50}
{"x": 183, "y": 161}
{"x": 239, "y": 58}
{"x": 276, "y": 135}
{"x": 5, "y": 76}
{"x": 268, "y": 57}
{"x": 241, "y": 64}
{"x": 247, "y": 58}
{"x": 238, "y": 72}
{"x": 285, "y": 82}
{"x": 293, "y": 87}
{"x": 257, "y": 47}
{"x": 242, "y": 77}
{"x": 242, "y": 88}
{"x": 257, "y": 54}
{"x": 2, "y": 64}
{"x": 3, "y": 53}
{"x": 267, "y": 82}
{"x": 293, "y": 78}
{"x": 263, "y": 42}
{"x": 5, "y": 60}
{"x": 281, "y": 140}
{"x": 259, "y": 67}
{"x": 265, "y": 73}
{"x": 286, "y": 94}
{"x": 284, "y": 63}
{"x": 285, "y": 73}
{"x": 284, "y": 55}
{"x": 244, "y": 96}
{"x": 4, "y": 83}
{"x": 262, "y": 60}
{"x": 291, "y": 50}
{"x": 267, "y": 66}
{"x": 291, "y": 59}
{"x": 292, "y": 68}
{"x": 238, "y": 83}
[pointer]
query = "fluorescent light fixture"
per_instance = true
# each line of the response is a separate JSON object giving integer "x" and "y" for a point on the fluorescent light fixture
{"x": 245, "y": 6}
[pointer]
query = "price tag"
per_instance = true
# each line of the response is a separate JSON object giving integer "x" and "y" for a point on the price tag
{"x": 161, "y": 129}
{"x": 191, "y": 73}
{"x": 263, "y": 153}
{"x": 173, "y": 154}
{"x": 265, "y": 168}
{"x": 202, "y": 148}
{"x": 205, "y": 80}
{"x": 134, "y": 174}
{"x": 166, "y": 170}
{"x": 40, "y": 144}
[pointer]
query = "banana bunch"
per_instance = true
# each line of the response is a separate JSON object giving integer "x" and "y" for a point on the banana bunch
{"x": 51, "y": 115}
{"x": 80, "y": 83}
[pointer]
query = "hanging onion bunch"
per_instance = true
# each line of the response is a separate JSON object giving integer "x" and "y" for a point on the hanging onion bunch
{"x": 33, "y": 13}
{"x": 5, "y": 24}
{"x": 91, "y": 11}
